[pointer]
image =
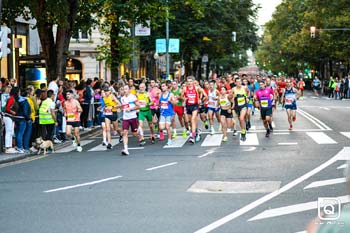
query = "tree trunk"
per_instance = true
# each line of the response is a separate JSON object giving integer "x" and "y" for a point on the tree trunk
{"x": 114, "y": 52}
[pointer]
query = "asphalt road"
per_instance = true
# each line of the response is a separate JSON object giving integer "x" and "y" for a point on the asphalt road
{"x": 263, "y": 186}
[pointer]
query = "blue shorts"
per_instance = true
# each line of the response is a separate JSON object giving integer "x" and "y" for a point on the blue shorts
{"x": 213, "y": 109}
{"x": 250, "y": 106}
{"x": 291, "y": 106}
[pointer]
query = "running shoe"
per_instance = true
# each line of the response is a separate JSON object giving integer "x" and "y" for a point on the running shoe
{"x": 212, "y": 131}
{"x": 169, "y": 143}
{"x": 267, "y": 133}
{"x": 174, "y": 135}
{"x": 191, "y": 140}
{"x": 224, "y": 139}
{"x": 235, "y": 132}
{"x": 290, "y": 127}
{"x": 74, "y": 143}
{"x": 184, "y": 134}
{"x": 206, "y": 124}
{"x": 104, "y": 143}
{"x": 243, "y": 137}
{"x": 120, "y": 139}
{"x": 79, "y": 149}
{"x": 198, "y": 137}
{"x": 142, "y": 142}
{"x": 153, "y": 140}
{"x": 125, "y": 152}
{"x": 109, "y": 146}
{"x": 161, "y": 136}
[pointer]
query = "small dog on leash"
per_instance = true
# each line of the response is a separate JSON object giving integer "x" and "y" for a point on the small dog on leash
{"x": 44, "y": 145}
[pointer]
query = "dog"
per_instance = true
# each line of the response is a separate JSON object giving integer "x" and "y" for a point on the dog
{"x": 44, "y": 145}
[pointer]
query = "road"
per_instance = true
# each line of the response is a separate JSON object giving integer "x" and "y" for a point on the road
{"x": 271, "y": 184}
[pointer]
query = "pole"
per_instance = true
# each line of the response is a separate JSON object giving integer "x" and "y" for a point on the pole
{"x": 167, "y": 41}
{"x": 133, "y": 52}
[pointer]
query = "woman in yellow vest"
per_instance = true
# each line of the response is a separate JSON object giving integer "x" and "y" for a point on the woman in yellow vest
{"x": 47, "y": 115}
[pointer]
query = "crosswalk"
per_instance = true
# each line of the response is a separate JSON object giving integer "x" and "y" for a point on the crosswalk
{"x": 252, "y": 139}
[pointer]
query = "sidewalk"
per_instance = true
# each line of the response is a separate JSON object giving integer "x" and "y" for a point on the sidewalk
{"x": 7, "y": 158}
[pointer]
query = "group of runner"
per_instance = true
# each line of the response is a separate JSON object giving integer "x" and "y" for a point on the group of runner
{"x": 220, "y": 100}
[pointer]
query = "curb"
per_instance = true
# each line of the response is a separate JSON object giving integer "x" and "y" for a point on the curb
{"x": 13, "y": 159}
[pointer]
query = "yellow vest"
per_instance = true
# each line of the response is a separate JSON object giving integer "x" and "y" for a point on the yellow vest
{"x": 31, "y": 104}
{"x": 45, "y": 117}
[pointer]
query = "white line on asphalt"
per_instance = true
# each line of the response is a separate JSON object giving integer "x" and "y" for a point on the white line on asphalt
{"x": 177, "y": 142}
{"x": 344, "y": 166}
{"x": 270, "y": 196}
{"x": 161, "y": 166}
{"x": 71, "y": 147}
{"x": 252, "y": 148}
{"x": 114, "y": 142}
{"x": 251, "y": 140}
{"x": 84, "y": 184}
{"x": 293, "y": 209}
{"x": 136, "y": 148}
{"x": 321, "y": 138}
{"x": 314, "y": 120}
{"x": 322, "y": 183}
{"x": 301, "y": 232}
{"x": 280, "y": 133}
{"x": 212, "y": 140}
{"x": 287, "y": 143}
{"x": 346, "y": 134}
{"x": 206, "y": 154}
{"x": 324, "y": 108}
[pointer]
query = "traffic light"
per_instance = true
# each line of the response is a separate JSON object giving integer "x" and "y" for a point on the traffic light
{"x": 313, "y": 31}
{"x": 5, "y": 41}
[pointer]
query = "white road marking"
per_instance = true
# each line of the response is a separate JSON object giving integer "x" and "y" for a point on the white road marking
{"x": 212, "y": 140}
{"x": 252, "y": 148}
{"x": 136, "y": 148}
{"x": 344, "y": 154}
{"x": 344, "y": 166}
{"x": 104, "y": 148}
{"x": 322, "y": 183}
{"x": 161, "y": 166}
{"x": 280, "y": 133}
{"x": 321, "y": 138}
{"x": 301, "y": 232}
{"x": 81, "y": 185}
{"x": 314, "y": 120}
{"x": 287, "y": 143}
{"x": 324, "y": 108}
{"x": 177, "y": 142}
{"x": 71, "y": 147}
{"x": 206, "y": 154}
{"x": 270, "y": 196}
{"x": 293, "y": 209}
{"x": 346, "y": 134}
{"x": 251, "y": 140}
{"x": 253, "y": 127}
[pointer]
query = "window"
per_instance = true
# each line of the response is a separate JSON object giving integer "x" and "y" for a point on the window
{"x": 80, "y": 36}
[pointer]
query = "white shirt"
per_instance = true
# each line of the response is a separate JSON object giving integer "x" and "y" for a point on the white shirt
{"x": 53, "y": 86}
{"x": 129, "y": 102}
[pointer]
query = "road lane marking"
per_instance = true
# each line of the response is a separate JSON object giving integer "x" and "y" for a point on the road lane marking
{"x": 272, "y": 195}
{"x": 252, "y": 148}
{"x": 71, "y": 147}
{"x": 314, "y": 120}
{"x": 161, "y": 166}
{"x": 293, "y": 209}
{"x": 84, "y": 184}
{"x": 206, "y": 154}
{"x": 251, "y": 140}
{"x": 322, "y": 183}
{"x": 324, "y": 108}
{"x": 177, "y": 142}
{"x": 280, "y": 133}
{"x": 321, "y": 138}
{"x": 346, "y": 134}
{"x": 136, "y": 148}
{"x": 212, "y": 140}
{"x": 114, "y": 142}
{"x": 287, "y": 143}
{"x": 344, "y": 166}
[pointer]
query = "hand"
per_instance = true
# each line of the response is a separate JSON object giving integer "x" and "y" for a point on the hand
{"x": 56, "y": 123}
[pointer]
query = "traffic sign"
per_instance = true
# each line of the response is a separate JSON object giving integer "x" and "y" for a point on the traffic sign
{"x": 174, "y": 45}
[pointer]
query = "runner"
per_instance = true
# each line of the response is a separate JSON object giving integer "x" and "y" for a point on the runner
{"x": 240, "y": 95}
{"x": 273, "y": 88}
{"x": 213, "y": 106}
{"x": 102, "y": 118}
{"x": 145, "y": 113}
{"x": 167, "y": 113}
{"x": 203, "y": 107}
{"x": 191, "y": 96}
{"x": 225, "y": 101}
{"x": 263, "y": 100}
{"x": 154, "y": 93}
{"x": 250, "y": 102}
{"x": 301, "y": 86}
{"x": 111, "y": 107}
{"x": 130, "y": 105}
{"x": 290, "y": 96}
{"x": 72, "y": 111}
{"x": 179, "y": 109}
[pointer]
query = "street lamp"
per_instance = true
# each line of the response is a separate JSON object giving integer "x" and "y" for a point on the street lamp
{"x": 313, "y": 31}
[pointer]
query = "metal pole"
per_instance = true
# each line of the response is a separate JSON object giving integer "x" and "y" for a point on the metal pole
{"x": 133, "y": 52}
{"x": 167, "y": 41}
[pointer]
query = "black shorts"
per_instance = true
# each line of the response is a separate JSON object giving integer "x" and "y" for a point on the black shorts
{"x": 113, "y": 117}
{"x": 191, "y": 108}
{"x": 156, "y": 112}
{"x": 74, "y": 124}
{"x": 265, "y": 112}
{"x": 238, "y": 109}
{"x": 226, "y": 113}
{"x": 203, "y": 109}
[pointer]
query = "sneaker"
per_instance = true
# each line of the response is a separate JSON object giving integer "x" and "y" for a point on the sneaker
{"x": 294, "y": 118}
{"x": 267, "y": 133}
{"x": 206, "y": 124}
{"x": 104, "y": 143}
{"x": 109, "y": 146}
{"x": 153, "y": 140}
{"x": 198, "y": 137}
{"x": 229, "y": 130}
{"x": 56, "y": 140}
{"x": 74, "y": 143}
{"x": 20, "y": 151}
{"x": 79, "y": 149}
{"x": 161, "y": 136}
{"x": 125, "y": 152}
{"x": 290, "y": 127}
{"x": 174, "y": 135}
{"x": 142, "y": 142}
{"x": 32, "y": 149}
{"x": 224, "y": 139}
{"x": 11, "y": 151}
{"x": 184, "y": 134}
{"x": 235, "y": 132}
{"x": 212, "y": 131}
{"x": 191, "y": 140}
{"x": 169, "y": 143}
{"x": 243, "y": 137}
{"x": 120, "y": 139}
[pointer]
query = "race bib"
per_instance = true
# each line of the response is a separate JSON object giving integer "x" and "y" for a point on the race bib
{"x": 264, "y": 103}
{"x": 126, "y": 106}
{"x": 71, "y": 116}
{"x": 143, "y": 103}
{"x": 108, "y": 111}
{"x": 241, "y": 101}
{"x": 164, "y": 105}
{"x": 223, "y": 102}
{"x": 288, "y": 101}
{"x": 211, "y": 103}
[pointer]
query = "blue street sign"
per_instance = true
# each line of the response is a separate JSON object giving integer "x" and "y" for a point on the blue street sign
{"x": 160, "y": 45}
{"x": 174, "y": 45}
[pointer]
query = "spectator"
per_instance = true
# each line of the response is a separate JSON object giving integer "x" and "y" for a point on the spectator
{"x": 47, "y": 115}
{"x": 7, "y": 94}
{"x": 23, "y": 123}
{"x": 53, "y": 85}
